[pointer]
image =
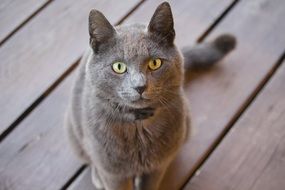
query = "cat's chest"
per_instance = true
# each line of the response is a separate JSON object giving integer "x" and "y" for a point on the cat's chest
{"x": 138, "y": 146}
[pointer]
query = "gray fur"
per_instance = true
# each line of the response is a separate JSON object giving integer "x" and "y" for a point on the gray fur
{"x": 110, "y": 127}
{"x": 207, "y": 54}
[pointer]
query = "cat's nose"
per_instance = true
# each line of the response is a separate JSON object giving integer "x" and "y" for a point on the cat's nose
{"x": 140, "y": 89}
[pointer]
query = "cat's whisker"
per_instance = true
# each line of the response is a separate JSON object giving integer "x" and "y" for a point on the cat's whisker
{"x": 169, "y": 104}
{"x": 164, "y": 103}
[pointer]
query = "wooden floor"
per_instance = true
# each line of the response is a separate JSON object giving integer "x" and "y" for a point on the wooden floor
{"x": 238, "y": 107}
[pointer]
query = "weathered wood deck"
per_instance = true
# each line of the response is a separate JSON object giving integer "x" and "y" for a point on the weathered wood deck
{"x": 238, "y": 107}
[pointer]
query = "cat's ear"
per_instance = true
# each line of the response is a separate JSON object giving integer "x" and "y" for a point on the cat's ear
{"x": 161, "y": 23}
{"x": 100, "y": 29}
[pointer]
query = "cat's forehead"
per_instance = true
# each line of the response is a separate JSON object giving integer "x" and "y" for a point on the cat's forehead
{"x": 134, "y": 30}
{"x": 134, "y": 40}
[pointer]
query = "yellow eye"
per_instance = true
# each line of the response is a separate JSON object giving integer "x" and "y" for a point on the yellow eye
{"x": 119, "y": 67}
{"x": 154, "y": 64}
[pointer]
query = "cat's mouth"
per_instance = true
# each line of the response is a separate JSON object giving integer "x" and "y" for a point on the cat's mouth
{"x": 141, "y": 100}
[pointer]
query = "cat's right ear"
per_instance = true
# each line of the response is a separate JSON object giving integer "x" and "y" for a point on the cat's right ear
{"x": 100, "y": 29}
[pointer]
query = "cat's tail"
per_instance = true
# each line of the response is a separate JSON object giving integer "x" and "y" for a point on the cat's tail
{"x": 206, "y": 54}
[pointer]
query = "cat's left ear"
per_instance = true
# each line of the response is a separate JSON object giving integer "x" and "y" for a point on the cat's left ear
{"x": 100, "y": 29}
{"x": 161, "y": 24}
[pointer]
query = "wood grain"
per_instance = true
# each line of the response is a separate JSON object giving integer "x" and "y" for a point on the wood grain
{"x": 83, "y": 182}
{"x": 252, "y": 155}
{"x": 218, "y": 95}
{"x": 36, "y": 155}
{"x": 191, "y": 18}
{"x": 43, "y": 49}
{"x": 13, "y": 13}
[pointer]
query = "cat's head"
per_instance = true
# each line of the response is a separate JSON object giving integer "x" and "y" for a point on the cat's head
{"x": 136, "y": 65}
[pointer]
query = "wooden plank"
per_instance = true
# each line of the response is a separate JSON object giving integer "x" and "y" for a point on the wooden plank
{"x": 199, "y": 15}
{"x": 14, "y": 13}
{"x": 83, "y": 181}
{"x": 251, "y": 156}
{"x": 229, "y": 81}
{"x": 191, "y": 18}
{"x": 44, "y": 48}
{"x": 217, "y": 96}
{"x": 36, "y": 155}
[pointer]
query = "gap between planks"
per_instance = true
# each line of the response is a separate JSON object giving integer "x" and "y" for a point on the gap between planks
{"x": 25, "y": 21}
{"x": 244, "y": 125}
{"x": 38, "y": 101}
{"x": 237, "y": 116}
{"x": 217, "y": 21}
{"x": 74, "y": 177}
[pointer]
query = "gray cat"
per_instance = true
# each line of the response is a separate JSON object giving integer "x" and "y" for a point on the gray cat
{"x": 128, "y": 115}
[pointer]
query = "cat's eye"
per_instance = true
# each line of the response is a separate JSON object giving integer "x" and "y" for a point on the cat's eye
{"x": 154, "y": 64}
{"x": 119, "y": 67}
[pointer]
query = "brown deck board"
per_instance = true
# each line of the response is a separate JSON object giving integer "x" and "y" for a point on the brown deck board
{"x": 219, "y": 95}
{"x": 33, "y": 58}
{"x": 251, "y": 156}
{"x": 191, "y": 18}
{"x": 14, "y": 13}
{"x": 83, "y": 181}
{"x": 216, "y": 96}
{"x": 36, "y": 155}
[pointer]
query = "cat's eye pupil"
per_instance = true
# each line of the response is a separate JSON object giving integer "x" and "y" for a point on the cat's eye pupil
{"x": 154, "y": 64}
{"x": 119, "y": 67}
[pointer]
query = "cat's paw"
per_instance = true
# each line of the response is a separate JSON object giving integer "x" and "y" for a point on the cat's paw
{"x": 96, "y": 180}
{"x": 97, "y": 183}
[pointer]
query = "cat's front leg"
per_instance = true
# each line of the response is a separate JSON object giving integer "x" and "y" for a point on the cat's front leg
{"x": 96, "y": 179}
{"x": 152, "y": 180}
